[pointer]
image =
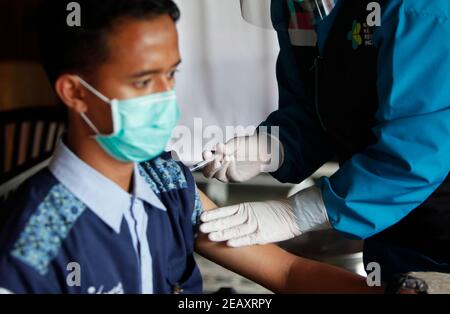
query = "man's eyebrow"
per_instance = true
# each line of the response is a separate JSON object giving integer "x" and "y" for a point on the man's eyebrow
{"x": 150, "y": 72}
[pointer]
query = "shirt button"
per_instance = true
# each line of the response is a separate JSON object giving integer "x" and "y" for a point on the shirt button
{"x": 177, "y": 289}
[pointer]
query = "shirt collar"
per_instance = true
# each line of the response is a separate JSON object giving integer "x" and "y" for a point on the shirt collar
{"x": 101, "y": 195}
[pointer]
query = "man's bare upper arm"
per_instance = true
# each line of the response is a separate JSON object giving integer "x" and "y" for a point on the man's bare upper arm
{"x": 206, "y": 201}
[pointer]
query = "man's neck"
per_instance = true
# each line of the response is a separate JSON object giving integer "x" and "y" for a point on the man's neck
{"x": 89, "y": 151}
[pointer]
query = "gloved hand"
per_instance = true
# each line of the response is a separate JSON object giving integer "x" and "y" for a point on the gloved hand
{"x": 243, "y": 158}
{"x": 266, "y": 222}
{"x": 251, "y": 223}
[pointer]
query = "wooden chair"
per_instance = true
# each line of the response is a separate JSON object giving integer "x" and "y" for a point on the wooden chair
{"x": 27, "y": 139}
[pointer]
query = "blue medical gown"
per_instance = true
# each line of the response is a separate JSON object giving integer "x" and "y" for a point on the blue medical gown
{"x": 410, "y": 158}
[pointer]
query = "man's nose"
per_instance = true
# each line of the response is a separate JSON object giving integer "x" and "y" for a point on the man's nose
{"x": 163, "y": 84}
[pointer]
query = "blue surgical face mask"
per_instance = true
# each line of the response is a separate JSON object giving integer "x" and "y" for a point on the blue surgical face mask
{"x": 142, "y": 126}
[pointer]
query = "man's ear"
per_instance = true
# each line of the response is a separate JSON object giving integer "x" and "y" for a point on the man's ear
{"x": 71, "y": 92}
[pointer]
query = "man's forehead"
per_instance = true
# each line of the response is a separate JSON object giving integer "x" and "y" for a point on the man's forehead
{"x": 144, "y": 41}
{"x": 144, "y": 31}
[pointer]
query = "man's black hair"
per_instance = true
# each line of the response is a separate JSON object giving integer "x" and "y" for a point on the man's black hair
{"x": 77, "y": 49}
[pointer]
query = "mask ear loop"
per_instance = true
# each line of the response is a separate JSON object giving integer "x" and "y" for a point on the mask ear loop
{"x": 90, "y": 124}
{"x": 100, "y": 96}
{"x": 94, "y": 91}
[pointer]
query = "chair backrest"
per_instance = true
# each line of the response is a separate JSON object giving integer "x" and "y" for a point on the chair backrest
{"x": 27, "y": 138}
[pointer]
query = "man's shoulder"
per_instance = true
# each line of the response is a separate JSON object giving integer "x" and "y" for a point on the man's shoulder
{"x": 41, "y": 214}
{"x": 164, "y": 174}
{"x": 166, "y": 177}
{"x": 28, "y": 195}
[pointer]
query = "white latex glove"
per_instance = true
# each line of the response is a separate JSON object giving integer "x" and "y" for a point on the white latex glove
{"x": 243, "y": 158}
{"x": 266, "y": 222}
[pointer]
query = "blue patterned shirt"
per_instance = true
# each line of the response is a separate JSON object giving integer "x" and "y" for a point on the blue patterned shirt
{"x": 72, "y": 230}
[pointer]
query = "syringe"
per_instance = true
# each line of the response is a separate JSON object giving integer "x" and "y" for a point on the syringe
{"x": 200, "y": 165}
